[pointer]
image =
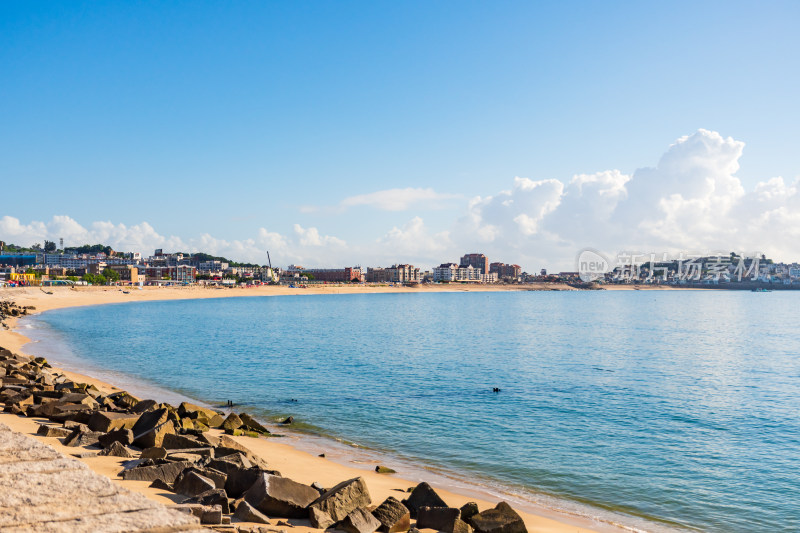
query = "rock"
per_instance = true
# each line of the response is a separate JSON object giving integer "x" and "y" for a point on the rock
{"x": 144, "y": 406}
{"x": 155, "y": 452}
{"x": 438, "y": 518}
{"x": 176, "y": 442}
{"x": 189, "y": 457}
{"x": 393, "y": 516}
{"x": 359, "y": 521}
{"x": 211, "y": 515}
{"x": 228, "y": 463}
{"x": 501, "y": 519}
{"x": 192, "y": 483}
{"x": 83, "y": 438}
{"x": 240, "y": 480}
{"x": 52, "y": 431}
{"x": 212, "y": 497}
{"x": 105, "y": 421}
{"x": 123, "y": 436}
{"x": 468, "y": 510}
{"x": 320, "y": 519}
{"x": 288, "y": 421}
{"x": 150, "y": 429}
{"x": 232, "y": 422}
{"x": 422, "y": 496}
{"x": 167, "y": 472}
{"x": 193, "y": 411}
{"x": 247, "y": 513}
{"x": 343, "y": 499}
{"x": 319, "y": 488}
{"x": 161, "y": 485}
{"x": 252, "y": 424}
{"x": 384, "y": 470}
{"x": 116, "y": 450}
{"x": 279, "y": 496}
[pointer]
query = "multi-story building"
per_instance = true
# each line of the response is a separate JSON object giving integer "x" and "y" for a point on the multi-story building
{"x": 403, "y": 274}
{"x": 177, "y": 273}
{"x": 445, "y": 272}
{"x": 476, "y": 261}
{"x": 505, "y": 271}
{"x": 212, "y": 266}
{"x": 339, "y": 275}
{"x": 377, "y": 275}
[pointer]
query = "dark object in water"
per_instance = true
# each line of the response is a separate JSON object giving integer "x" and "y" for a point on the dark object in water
{"x": 495, "y": 389}
{"x": 288, "y": 421}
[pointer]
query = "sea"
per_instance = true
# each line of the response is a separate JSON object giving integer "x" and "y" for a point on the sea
{"x": 630, "y": 410}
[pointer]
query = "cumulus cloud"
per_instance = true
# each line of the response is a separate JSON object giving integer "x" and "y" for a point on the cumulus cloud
{"x": 391, "y": 200}
{"x": 690, "y": 201}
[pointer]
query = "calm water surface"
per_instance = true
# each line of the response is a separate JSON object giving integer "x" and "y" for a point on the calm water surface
{"x": 682, "y": 408}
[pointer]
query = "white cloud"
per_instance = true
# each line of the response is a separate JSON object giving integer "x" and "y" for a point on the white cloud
{"x": 391, "y": 200}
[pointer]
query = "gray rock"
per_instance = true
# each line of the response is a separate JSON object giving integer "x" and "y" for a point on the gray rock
{"x": 83, "y": 438}
{"x": 212, "y": 497}
{"x": 393, "y": 516}
{"x": 319, "y": 519}
{"x": 107, "y": 421}
{"x": 423, "y": 496}
{"x": 117, "y": 450}
{"x": 165, "y": 472}
{"x": 177, "y": 442}
{"x": 438, "y": 518}
{"x": 150, "y": 429}
{"x": 279, "y": 496}
{"x": 501, "y": 519}
{"x": 52, "y": 431}
{"x": 344, "y": 498}
{"x": 155, "y": 452}
{"x": 240, "y": 480}
{"x": 359, "y": 521}
{"x": 123, "y": 436}
{"x": 247, "y": 513}
{"x": 468, "y": 510}
{"x": 191, "y": 484}
{"x": 144, "y": 406}
{"x": 211, "y": 515}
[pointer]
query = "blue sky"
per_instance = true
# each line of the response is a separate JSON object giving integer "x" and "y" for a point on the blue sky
{"x": 218, "y": 124}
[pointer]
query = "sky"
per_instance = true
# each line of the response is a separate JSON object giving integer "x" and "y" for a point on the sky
{"x": 371, "y": 133}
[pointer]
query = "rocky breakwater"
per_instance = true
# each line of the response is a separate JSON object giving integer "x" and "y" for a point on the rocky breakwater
{"x": 221, "y": 482}
{"x": 11, "y": 310}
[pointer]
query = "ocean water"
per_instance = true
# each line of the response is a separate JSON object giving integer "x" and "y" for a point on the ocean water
{"x": 659, "y": 410}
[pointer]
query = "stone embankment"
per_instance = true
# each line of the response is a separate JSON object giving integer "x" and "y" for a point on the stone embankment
{"x": 220, "y": 482}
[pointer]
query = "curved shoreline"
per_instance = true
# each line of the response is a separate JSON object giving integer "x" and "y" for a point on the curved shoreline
{"x": 538, "y": 516}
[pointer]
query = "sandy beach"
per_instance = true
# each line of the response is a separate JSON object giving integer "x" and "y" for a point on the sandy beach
{"x": 290, "y": 461}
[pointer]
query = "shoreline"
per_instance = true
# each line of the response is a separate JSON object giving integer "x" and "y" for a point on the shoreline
{"x": 294, "y": 455}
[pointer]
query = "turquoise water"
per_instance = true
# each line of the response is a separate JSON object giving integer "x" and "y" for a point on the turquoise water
{"x": 679, "y": 407}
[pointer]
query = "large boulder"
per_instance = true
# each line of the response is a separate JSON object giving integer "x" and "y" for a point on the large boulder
{"x": 252, "y": 424}
{"x": 192, "y": 483}
{"x": 83, "y": 438}
{"x": 240, "y": 480}
{"x": 319, "y": 519}
{"x": 212, "y": 497}
{"x": 107, "y": 421}
{"x": 423, "y": 495}
{"x": 445, "y": 519}
{"x": 52, "y": 431}
{"x": 117, "y": 450}
{"x": 343, "y": 499}
{"x": 359, "y": 521}
{"x": 232, "y": 422}
{"x": 501, "y": 519}
{"x": 247, "y": 513}
{"x": 173, "y": 441}
{"x": 123, "y": 436}
{"x": 150, "y": 429}
{"x": 468, "y": 510}
{"x": 280, "y": 496}
{"x": 393, "y": 516}
{"x": 167, "y": 472}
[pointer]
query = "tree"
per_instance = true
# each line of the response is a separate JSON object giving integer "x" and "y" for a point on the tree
{"x": 309, "y": 276}
{"x": 94, "y": 279}
{"x": 111, "y": 275}
{"x": 49, "y": 247}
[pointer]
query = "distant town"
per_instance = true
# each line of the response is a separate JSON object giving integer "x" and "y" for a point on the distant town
{"x": 49, "y": 264}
